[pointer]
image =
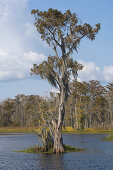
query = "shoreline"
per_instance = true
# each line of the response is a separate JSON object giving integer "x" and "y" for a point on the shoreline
{"x": 32, "y": 130}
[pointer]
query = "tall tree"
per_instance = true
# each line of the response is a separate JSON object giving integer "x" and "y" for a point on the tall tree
{"x": 109, "y": 97}
{"x": 63, "y": 33}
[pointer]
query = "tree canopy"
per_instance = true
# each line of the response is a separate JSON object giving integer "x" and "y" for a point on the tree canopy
{"x": 63, "y": 29}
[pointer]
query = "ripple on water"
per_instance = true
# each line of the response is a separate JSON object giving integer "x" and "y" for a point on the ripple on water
{"x": 99, "y": 154}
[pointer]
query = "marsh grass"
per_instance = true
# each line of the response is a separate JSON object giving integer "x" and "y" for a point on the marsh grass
{"x": 67, "y": 130}
{"x": 108, "y": 138}
{"x": 41, "y": 149}
{"x": 18, "y": 129}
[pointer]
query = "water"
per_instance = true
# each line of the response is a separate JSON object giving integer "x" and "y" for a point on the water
{"x": 98, "y": 156}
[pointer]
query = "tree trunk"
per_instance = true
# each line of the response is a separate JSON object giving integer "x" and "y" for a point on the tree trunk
{"x": 72, "y": 114}
{"x": 64, "y": 89}
{"x": 58, "y": 141}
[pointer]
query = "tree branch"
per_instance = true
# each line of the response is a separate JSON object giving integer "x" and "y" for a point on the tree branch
{"x": 53, "y": 36}
{"x": 55, "y": 51}
{"x": 71, "y": 49}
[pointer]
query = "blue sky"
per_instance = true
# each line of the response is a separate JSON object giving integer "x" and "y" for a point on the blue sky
{"x": 21, "y": 45}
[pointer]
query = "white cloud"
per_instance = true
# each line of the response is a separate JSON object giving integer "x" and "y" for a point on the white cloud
{"x": 34, "y": 57}
{"x": 89, "y": 72}
{"x": 18, "y": 65}
{"x": 108, "y": 73}
{"x": 21, "y": 45}
{"x": 92, "y": 72}
{"x": 19, "y": 49}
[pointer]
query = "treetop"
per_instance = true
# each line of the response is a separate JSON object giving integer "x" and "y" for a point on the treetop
{"x": 59, "y": 28}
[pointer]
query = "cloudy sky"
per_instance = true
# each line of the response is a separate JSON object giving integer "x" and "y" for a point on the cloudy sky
{"x": 21, "y": 45}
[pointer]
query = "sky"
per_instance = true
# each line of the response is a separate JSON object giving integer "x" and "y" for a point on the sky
{"x": 21, "y": 45}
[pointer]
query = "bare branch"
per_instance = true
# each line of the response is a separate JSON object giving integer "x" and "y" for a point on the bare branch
{"x": 55, "y": 51}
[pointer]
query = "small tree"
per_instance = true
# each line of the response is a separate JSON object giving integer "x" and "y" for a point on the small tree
{"x": 63, "y": 33}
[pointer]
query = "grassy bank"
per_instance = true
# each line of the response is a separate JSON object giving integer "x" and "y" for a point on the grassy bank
{"x": 18, "y": 129}
{"x": 67, "y": 130}
{"x": 40, "y": 149}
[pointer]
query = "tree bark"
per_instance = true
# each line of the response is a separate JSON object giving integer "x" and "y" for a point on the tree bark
{"x": 58, "y": 140}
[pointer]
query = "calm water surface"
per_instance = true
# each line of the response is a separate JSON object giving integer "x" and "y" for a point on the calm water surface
{"x": 98, "y": 156}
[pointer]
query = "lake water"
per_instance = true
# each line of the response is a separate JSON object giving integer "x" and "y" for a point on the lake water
{"x": 98, "y": 156}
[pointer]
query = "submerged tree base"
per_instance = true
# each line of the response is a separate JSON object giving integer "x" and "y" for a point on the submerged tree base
{"x": 41, "y": 149}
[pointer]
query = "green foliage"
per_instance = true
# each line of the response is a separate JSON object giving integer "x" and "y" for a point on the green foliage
{"x": 87, "y": 131}
{"x": 53, "y": 25}
{"x": 63, "y": 31}
{"x": 69, "y": 148}
{"x": 52, "y": 70}
{"x": 87, "y": 100}
{"x": 42, "y": 149}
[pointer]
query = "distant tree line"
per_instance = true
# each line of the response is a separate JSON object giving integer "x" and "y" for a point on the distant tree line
{"x": 90, "y": 105}
{"x": 20, "y": 111}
